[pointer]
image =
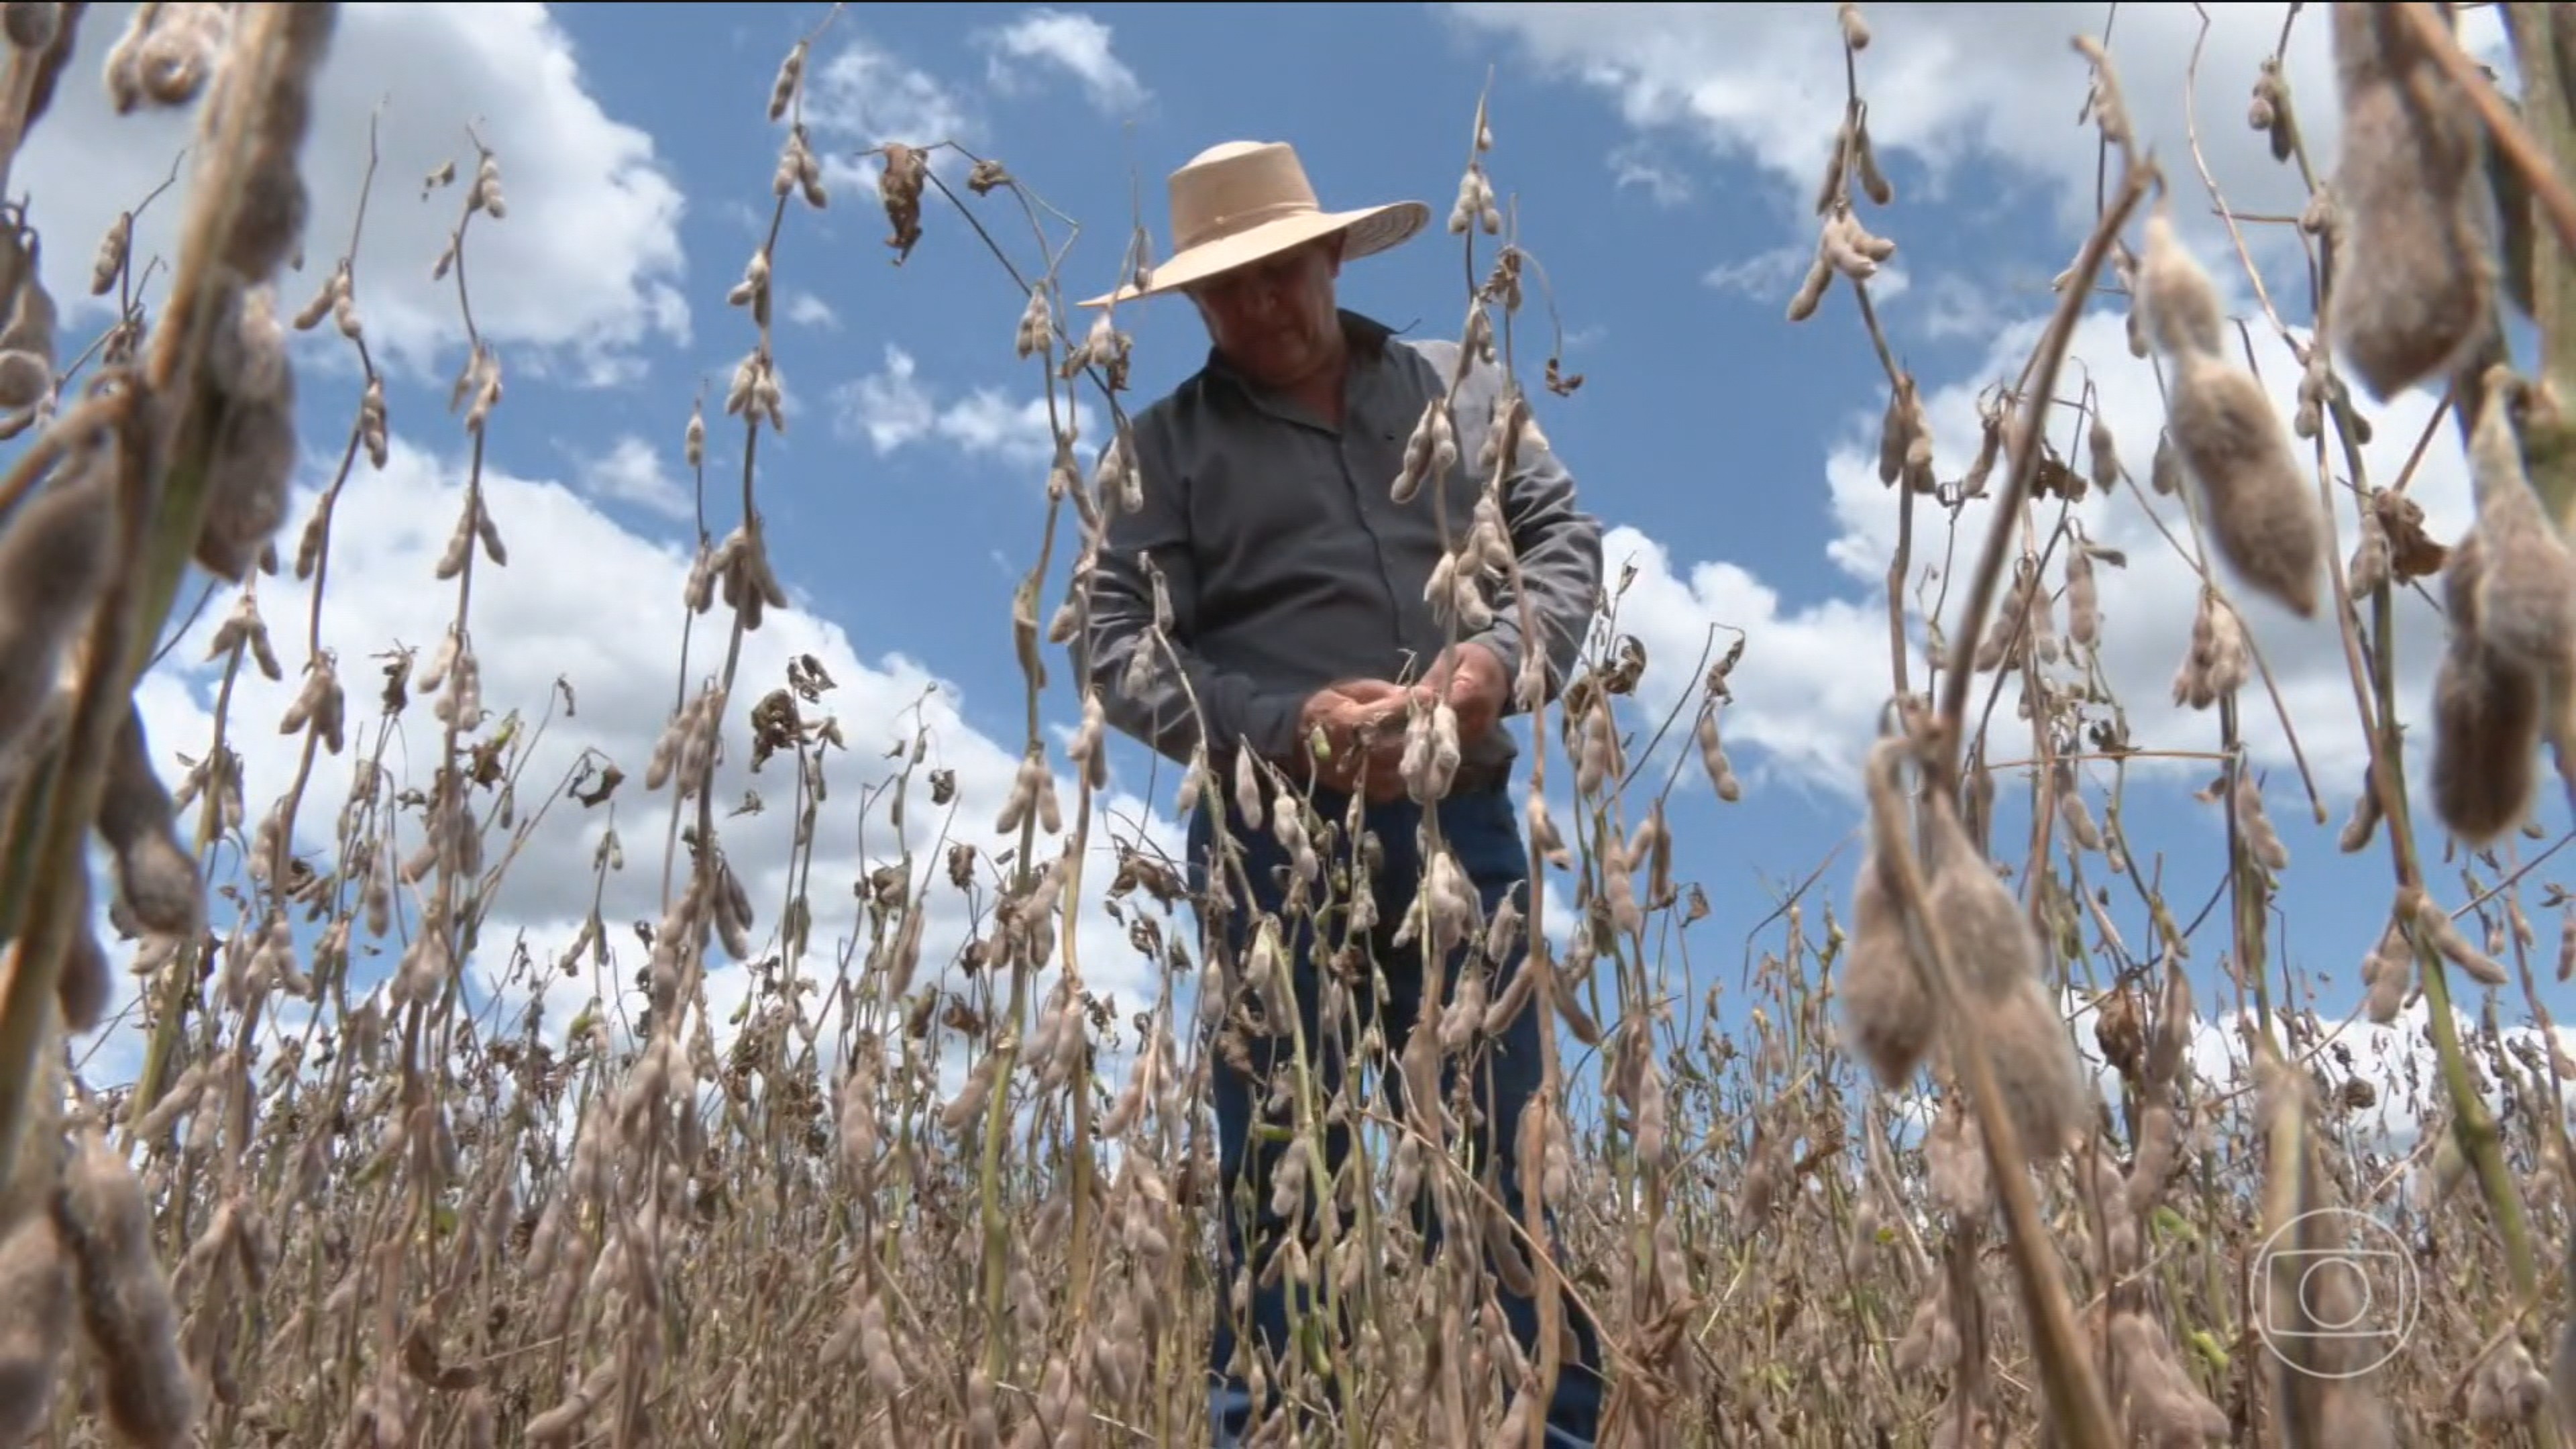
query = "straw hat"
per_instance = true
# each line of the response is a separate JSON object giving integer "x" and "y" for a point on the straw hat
{"x": 1241, "y": 201}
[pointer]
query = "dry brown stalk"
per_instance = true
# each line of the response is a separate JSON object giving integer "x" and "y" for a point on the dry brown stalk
{"x": 916, "y": 1179}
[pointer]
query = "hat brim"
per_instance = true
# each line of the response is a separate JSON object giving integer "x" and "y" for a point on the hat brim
{"x": 1366, "y": 231}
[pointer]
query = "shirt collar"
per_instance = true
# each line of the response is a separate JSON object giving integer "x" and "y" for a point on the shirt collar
{"x": 1366, "y": 335}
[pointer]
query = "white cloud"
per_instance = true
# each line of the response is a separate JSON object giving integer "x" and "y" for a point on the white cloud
{"x": 1636, "y": 164}
{"x": 1946, "y": 84}
{"x": 1769, "y": 276}
{"x": 2378, "y": 1089}
{"x": 578, "y": 277}
{"x": 1766, "y": 273}
{"x": 2397, "y": 1062}
{"x": 1955, "y": 307}
{"x": 888, "y": 406}
{"x": 893, "y": 408}
{"x": 1071, "y": 42}
{"x": 1803, "y": 694}
{"x": 632, "y": 471}
{"x": 866, "y": 96}
{"x": 807, "y": 310}
{"x": 1967, "y": 102}
{"x": 590, "y": 608}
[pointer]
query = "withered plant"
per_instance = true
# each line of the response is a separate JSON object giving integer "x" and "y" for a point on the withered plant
{"x": 1956, "y": 1158}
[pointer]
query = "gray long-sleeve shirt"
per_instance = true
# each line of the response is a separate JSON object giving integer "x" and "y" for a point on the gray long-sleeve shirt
{"x": 1289, "y": 565}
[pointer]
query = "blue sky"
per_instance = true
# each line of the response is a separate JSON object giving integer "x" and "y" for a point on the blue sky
{"x": 1660, "y": 158}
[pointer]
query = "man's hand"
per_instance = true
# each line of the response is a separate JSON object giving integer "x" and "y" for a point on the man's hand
{"x": 1342, "y": 712}
{"x": 1472, "y": 678}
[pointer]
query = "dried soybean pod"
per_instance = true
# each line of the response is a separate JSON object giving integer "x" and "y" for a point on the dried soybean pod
{"x": 2486, "y": 714}
{"x": 53, "y": 557}
{"x": 2525, "y": 585}
{"x": 2036, "y": 1070}
{"x": 2262, "y": 515}
{"x": 2226, "y": 435}
{"x": 145, "y": 1387}
{"x": 35, "y": 1324}
{"x": 154, "y": 872}
{"x": 2414, "y": 286}
{"x": 32, "y": 24}
{"x": 1990, "y": 940}
{"x": 2181, "y": 303}
{"x": 84, "y": 983}
{"x": 1886, "y": 1007}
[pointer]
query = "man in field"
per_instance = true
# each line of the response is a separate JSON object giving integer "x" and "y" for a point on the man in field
{"x": 1296, "y": 585}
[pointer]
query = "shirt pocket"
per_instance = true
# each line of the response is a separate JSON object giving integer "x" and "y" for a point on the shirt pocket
{"x": 1266, "y": 506}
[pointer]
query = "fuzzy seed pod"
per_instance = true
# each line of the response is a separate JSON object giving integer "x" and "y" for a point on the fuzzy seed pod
{"x": 1475, "y": 203}
{"x": 485, "y": 194}
{"x": 1431, "y": 753}
{"x": 324, "y": 299}
{"x": 2364, "y": 821}
{"x": 1597, "y": 755}
{"x": 2219, "y": 661}
{"x": 1036, "y": 319}
{"x": 27, "y": 348}
{"x": 112, "y": 250}
{"x": 2388, "y": 975}
{"x": 84, "y": 983}
{"x": 1855, "y": 29}
{"x": 1829, "y": 187}
{"x": 2181, "y": 302}
{"x": 53, "y": 559}
{"x": 2416, "y": 279}
{"x": 2486, "y": 719}
{"x": 32, "y": 24}
{"x": 2165, "y": 1406}
{"x": 2523, "y": 590}
{"x": 252, "y": 461}
{"x": 1873, "y": 182}
{"x": 2562, "y": 1363}
{"x": 564, "y": 1420}
{"x": 1991, "y": 942}
{"x": 269, "y": 215}
{"x": 164, "y": 56}
{"x": 2103, "y": 455}
{"x": 2262, "y": 517}
{"x": 1897, "y": 429}
{"x": 782, "y": 89}
{"x": 2369, "y": 567}
{"x": 1432, "y": 450}
{"x": 2164, "y": 473}
{"x": 2036, "y": 1070}
{"x": 1543, "y": 834}
{"x": 100, "y": 1211}
{"x": 1955, "y": 1166}
{"x": 2080, "y": 825}
{"x": 2445, "y": 937}
{"x": 35, "y": 1323}
{"x": 2255, "y": 828}
{"x": 1712, "y": 758}
{"x": 1811, "y": 288}
{"x": 2083, "y": 598}
{"x": 1886, "y": 1009}
{"x": 1851, "y": 248}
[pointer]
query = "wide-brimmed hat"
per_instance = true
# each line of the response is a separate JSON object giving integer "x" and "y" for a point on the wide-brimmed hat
{"x": 1240, "y": 201}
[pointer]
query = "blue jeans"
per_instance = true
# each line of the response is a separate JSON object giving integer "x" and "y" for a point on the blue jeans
{"x": 1482, "y": 829}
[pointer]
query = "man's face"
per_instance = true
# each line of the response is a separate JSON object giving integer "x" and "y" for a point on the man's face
{"x": 1275, "y": 319}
